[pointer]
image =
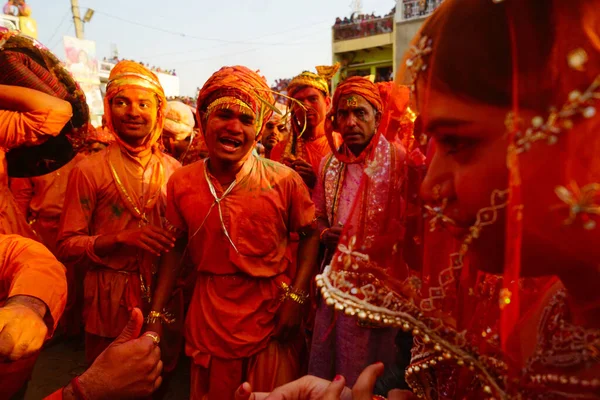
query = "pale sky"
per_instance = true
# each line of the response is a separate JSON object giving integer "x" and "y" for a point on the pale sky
{"x": 281, "y": 38}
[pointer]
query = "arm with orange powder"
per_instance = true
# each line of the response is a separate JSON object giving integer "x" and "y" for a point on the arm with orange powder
{"x": 36, "y": 289}
{"x": 28, "y": 115}
{"x": 170, "y": 263}
{"x": 301, "y": 220}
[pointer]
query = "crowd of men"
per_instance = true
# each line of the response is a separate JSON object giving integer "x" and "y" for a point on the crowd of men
{"x": 340, "y": 240}
{"x": 222, "y": 250}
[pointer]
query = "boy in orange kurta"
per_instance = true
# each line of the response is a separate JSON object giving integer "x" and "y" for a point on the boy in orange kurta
{"x": 115, "y": 201}
{"x": 33, "y": 293}
{"x": 235, "y": 213}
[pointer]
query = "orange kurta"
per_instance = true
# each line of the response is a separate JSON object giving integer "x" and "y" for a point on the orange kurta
{"x": 28, "y": 268}
{"x": 41, "y": 200}
{"x": 17, "y": 129}
{"x": 93, "y": 207}
{"x": 237, "y": 293}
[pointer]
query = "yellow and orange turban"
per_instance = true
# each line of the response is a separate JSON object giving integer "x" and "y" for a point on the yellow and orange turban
{"x": 319, "y": 81}
{"x": 132, "y": 75}
{"x": 239, "y": 86}
{"x": 179, "y": 121}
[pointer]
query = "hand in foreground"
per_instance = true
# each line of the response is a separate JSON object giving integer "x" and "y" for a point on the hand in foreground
{"x": 22, "y": 327}
{"x": 306, "y": 172}
{"x": 311, "y": 387}
{"x": 149, "y": 238}
{"x": 363, "y": 388}
{"x": 306, "y": 388}
{"x": 129, "y": 368}
{"x": 289, "y": 318}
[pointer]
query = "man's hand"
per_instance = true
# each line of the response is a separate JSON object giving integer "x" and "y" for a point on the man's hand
{"x": 289, "y": 317}
{"x": 305, "y": 171}
{"x": 331, "y": 237}
{"x": 129, "y": 368}
{"x": 22, "y": 327}
{"x": 149, "y": 238}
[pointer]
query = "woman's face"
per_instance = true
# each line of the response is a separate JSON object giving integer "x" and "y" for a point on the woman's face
{"x": 469, "y": 163}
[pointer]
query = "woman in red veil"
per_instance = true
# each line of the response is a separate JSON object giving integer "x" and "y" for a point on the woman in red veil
{"x": 499, "y": 287}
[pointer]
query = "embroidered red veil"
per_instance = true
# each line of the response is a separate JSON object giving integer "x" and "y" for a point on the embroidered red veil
{"x": 501, "y": 300}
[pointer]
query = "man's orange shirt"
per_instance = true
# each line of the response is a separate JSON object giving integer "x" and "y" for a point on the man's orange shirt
{"x": 94, "y": 207}
{"x": 41, "y": 200}
{"x": 237, "y": 293}
{"x": 16, "y": 129}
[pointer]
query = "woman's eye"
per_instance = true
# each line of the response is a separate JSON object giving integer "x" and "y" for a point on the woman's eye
{"x": 455, "y": 144}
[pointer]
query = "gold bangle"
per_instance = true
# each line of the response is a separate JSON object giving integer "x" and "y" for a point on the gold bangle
{"x": 296, "y": 296}
{"x": 155, "y": 316}
{"x": 323, "y": 232}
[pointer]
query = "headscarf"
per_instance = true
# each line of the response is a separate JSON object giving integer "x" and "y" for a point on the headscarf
{"x": 132, "y": 75}
{"x": 359, "y": 86}
{"x": 319, "y": 81}
{"x": 543, "y": 57}
{"x": 179, "y": 121}
{"x": 239, "y": 86}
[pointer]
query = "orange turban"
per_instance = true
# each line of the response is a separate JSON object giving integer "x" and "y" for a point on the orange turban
{"x": 179, "y": 122}
{"x": 359, "y": 86}
{"x": 132, "y": 75}
{"x": 236, "y": 86}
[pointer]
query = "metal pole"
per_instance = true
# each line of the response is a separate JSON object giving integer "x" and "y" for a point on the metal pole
{"x": 77, "y": 19}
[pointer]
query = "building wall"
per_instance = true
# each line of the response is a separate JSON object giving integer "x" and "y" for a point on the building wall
{"x": 405, "y": 32}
